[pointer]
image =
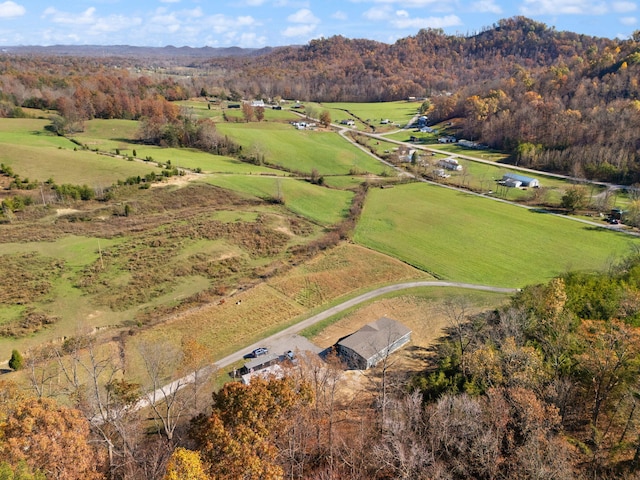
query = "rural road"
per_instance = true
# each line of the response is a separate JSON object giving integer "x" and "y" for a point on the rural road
{"x": 282, "y": 337}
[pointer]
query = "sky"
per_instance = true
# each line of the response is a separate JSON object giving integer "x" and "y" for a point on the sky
{"x": 261, "y": 23}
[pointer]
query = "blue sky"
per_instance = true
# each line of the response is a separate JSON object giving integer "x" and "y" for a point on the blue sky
{"x": 259, "y": 23}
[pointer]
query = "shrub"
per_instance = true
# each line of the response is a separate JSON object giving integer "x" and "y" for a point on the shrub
{"x": 16, "y": 362}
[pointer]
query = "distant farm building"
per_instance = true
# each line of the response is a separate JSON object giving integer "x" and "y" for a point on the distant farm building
{"x": 349, "y": 123}
{"x": 447, "y": 139}
{"x": 373, "y": 343}
{"x": 514, "y": 180}
{"x": 450, "y": 164}
{"x": 470, "y": 144}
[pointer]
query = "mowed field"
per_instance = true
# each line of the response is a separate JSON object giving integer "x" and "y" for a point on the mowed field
{"x": 36, "y": 154}
{"x": 301, "y": 150}
{"x": 322, "y": 205}
{"x": 461, "y": 237}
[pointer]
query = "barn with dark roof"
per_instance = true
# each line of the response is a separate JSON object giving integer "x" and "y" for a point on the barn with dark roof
{"x": 375, "y": 341}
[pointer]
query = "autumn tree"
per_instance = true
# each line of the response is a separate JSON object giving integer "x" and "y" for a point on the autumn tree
{"x": 237, "y": 439}
{"x": 259, "y": 111}
{"x": 185, "y": 465}
{"x": 50, "y": 438}
{"x": 575, "y": 198}
{"x": 248, "y": 111}
{"x": 325, "y": 118}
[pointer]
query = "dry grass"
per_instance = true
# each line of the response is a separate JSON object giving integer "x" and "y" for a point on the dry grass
{"x": 252, "y": 314}
{"x": 342, "y": 271}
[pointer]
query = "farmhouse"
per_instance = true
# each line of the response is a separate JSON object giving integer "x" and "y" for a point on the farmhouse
{"x": 372, "y": 343}
{"x": 447, "y": 139}
{"x": 450, "y": 164}
{"x": 515, "y": 180}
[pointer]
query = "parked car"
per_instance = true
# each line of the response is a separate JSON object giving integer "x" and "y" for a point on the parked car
{"x": 260, "y": 351}
{"x": 290, "y": 355}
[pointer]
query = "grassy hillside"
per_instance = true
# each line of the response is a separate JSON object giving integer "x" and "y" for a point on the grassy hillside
{"x": 301, "y": 150}
{"x": 462, "y": 237}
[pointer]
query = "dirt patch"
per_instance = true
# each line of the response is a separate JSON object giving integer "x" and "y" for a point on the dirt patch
{"x": 177, "y": 180}
{"x": 66, "y": 211}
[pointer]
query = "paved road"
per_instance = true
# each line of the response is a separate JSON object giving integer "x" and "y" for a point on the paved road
{"x": 282, "y": 337}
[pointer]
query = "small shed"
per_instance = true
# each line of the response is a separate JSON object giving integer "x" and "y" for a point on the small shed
{"x": 366, "y": 347}
{"x": 524, "y": 181}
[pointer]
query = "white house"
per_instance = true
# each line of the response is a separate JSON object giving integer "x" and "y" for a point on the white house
{"x": 450, "y": 164}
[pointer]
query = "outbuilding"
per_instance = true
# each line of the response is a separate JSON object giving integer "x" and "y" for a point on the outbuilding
{"x": 259, "y": 363}
{"x": 511, "y": 179}
{"x": 375, "y": 341}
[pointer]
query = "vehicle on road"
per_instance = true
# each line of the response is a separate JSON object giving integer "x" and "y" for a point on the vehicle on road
{"x": 259, "y": 351}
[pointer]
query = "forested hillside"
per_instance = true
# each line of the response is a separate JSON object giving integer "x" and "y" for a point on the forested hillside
{"x": 557, "y": 101}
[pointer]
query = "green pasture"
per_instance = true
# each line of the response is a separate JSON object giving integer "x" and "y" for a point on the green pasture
{"x": 462, "y": 237}
{"x": 344, "y": 182}
{"x": 397, "y": 112}
{"x": 109, "y": 135}
{"x": 322, "y": 205}
{"x": 300, "y": 150}
{"x": 35, "y": 154}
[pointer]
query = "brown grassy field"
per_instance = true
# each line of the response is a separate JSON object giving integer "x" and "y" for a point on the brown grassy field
{"x": 251, "y": 314}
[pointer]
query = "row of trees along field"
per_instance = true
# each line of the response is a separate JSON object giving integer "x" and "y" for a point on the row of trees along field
{"x": 544, "y": 387}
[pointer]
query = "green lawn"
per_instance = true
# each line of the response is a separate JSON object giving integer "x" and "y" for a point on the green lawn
{"x": 322, "y": 205}
{"x": 461, "y": 237}
{"x": 300, "y": 150}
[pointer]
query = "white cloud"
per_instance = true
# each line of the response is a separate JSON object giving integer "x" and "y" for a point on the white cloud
{"x": 299, "y": 31}
{"x": 629, "y": 21}
{"x": 563, "y": 7}
{"x": 292, "y": 4}
{"x": 429, "y": 22}
{"x": 624, "y": 7}
{"x": 486, "y": 6}
{"x": 251, "y": 40}
{"x": 377, "y": 14}
{"x": 85, "y": 18}
{"x": 303, "y": 16}
{"x": 404, "y": 3}
{"x": 339, "y": 15}
{"x": 11, "y": 10}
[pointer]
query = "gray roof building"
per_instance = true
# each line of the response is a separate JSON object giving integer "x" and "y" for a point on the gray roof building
{"x": 372, "y": 343}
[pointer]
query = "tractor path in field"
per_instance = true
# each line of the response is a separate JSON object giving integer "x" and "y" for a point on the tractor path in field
{"x": 288, "y": 338}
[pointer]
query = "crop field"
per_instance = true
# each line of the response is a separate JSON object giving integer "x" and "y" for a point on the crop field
{"x": 301, "y": 150}
{"x": 322, "y": 205}
{"x": 462, "y": 237}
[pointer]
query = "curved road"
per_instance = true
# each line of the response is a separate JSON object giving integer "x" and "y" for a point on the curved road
{"x": 169, "y": 389}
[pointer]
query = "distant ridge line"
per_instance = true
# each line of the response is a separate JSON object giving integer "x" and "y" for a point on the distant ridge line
{"x": 135, "y": 51}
